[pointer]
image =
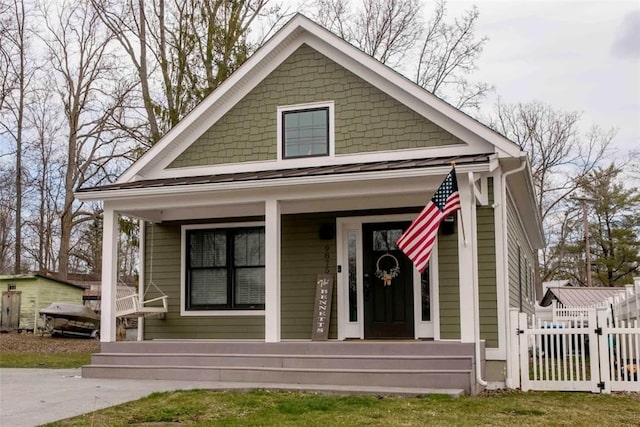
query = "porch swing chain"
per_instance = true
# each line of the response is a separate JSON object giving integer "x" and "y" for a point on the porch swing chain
{"x": 150, "y": 282}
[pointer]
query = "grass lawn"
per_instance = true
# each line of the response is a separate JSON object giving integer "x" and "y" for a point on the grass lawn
{"x": 28, "y": 350}
{"x": 264, "y": 408}
{"x": 38, "y": 360}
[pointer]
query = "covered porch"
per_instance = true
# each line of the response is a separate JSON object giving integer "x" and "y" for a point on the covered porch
{"x": 315, "y": 220}
{"x": 345, "y": 200}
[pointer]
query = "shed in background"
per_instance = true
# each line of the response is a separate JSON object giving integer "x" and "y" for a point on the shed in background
{"x": 24, "y": 295}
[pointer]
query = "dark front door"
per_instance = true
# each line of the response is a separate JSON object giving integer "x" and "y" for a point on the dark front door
{"x": 388, "y": 283}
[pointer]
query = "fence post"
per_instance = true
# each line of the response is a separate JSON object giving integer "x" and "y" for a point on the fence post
{"x": 602, "y": 351}
{"x": 513, "y": 356}
{"x": 523, "y": 351}
{"x": 636, "y": 298}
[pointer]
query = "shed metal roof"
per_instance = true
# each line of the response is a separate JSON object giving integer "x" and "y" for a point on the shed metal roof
{"x": 31, "y": 276}
{"x": 579, "y": 297}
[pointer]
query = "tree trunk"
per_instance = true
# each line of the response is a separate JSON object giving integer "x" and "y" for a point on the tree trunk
{"x": 66, "y": 220}
{"x": 21, "y": 95}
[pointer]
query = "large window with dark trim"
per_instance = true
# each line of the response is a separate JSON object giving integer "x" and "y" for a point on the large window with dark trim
{"x": 225, "y": 269}
{"x": 305, "y": 133}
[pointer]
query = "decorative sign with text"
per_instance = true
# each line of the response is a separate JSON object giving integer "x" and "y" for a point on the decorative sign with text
{"x": 322, "y": 307}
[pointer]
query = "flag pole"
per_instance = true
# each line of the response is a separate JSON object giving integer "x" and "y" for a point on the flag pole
{"x": 459, "y": 213}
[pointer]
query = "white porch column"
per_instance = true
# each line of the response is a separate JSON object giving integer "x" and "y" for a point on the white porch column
{"x": 110, "y": 229}
{"x": 467, "y": 257}
{"x": 272, "y": 271}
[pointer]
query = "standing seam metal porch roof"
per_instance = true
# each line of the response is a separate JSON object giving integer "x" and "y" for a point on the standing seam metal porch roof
{"x": 298, "y": 172}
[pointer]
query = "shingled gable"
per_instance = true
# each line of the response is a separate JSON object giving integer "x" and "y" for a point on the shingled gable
{"x": 297, "y": 32}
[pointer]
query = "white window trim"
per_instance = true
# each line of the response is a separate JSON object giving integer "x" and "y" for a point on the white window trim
{"x": 183, "y": 265}
{"x": 285, "y": 108}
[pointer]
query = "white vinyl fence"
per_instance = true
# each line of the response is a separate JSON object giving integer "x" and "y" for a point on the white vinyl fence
{"x": 590, "y": 350}
{"x": 626, "y": 306}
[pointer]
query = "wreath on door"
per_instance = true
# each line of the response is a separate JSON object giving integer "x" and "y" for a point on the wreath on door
{"x": 387, "y": 275}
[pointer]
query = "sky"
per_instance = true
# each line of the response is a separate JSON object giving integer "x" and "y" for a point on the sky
{"x": 573, "y": 55}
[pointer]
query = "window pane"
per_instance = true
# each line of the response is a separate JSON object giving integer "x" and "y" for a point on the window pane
{"x": 209, "y": 287}
{"x": 207, "y": 249}
{"x": 249, "y": 248}
{"x": 353, "y": 277}
{"x": 385, "y": 240}
{"x": 426, "y": 295}
{"x": 249, "y": 286}
{"x": 306, "y": 132}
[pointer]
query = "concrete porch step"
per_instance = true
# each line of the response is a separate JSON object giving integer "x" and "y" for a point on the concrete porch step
{"x": 446, "y": 379}
{"x": 356, "y": 347}
{"x": 300, "y": 361}
{"x": 376, "y": 364}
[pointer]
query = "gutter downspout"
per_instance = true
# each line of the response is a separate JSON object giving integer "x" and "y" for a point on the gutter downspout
{"x": 142, "y": 262}
{"x": 505, "y": 256}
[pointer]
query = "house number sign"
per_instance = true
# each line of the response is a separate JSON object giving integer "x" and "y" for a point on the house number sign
{"x": 322, "y": 307}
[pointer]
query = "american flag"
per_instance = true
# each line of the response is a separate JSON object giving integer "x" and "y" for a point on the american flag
{"x": 417, "y": 242}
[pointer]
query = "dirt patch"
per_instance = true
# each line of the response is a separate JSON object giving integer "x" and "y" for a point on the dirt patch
{"x": 45, "y": 344}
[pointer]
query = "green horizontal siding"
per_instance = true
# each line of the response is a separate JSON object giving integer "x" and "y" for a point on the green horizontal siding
{"x": 303, "y": 257}
{"x": 449, "y": 286}
{"x": 487, "y": 271}
{"x": 366, "y": 119}
{"x": 163, "y": 244}
{"x": 522, "y": 261}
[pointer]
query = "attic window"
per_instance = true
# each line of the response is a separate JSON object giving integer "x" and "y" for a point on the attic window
{"x": 305, "y": 131}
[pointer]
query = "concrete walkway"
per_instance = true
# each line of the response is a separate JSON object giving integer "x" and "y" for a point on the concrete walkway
{"x": 31, "y": 397}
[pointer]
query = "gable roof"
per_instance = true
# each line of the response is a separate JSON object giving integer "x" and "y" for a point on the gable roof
{"x": 578, "y": 297}
{"x": 298, "y": 31}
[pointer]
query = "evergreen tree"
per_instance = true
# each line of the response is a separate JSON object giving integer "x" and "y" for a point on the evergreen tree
{"x": 614, "y": 225}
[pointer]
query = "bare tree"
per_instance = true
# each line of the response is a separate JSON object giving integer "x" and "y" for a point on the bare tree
{"x": 561, "y": 156}
{"x": 448, "y": 56}
{"x": 336, "y": 16}
{"x": 387, "y": 29}
{"x": 7, "y": 211}
{"x": 15, "y": 80}
{"x": 445, "y": 53}
{"x": 46, "y": 175}
{"x": 180, "y": 50}
{"x": 92, "y": 95}
{"x": 384, "y": 29}
{"x": 8, "y": 79}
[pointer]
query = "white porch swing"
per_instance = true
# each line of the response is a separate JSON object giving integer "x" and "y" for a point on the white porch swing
{"x": 129, "y": 303}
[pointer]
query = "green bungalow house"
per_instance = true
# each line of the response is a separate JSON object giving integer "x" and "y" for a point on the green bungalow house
{"x": 310, "y": 160}
{"x": 24, "y": 295}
